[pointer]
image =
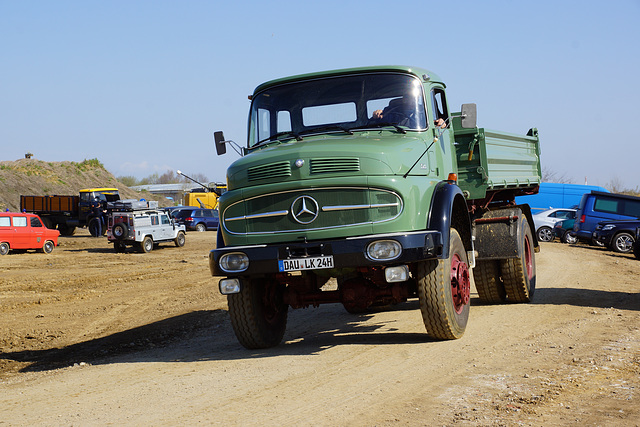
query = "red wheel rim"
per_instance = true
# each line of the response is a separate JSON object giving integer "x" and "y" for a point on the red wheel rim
{"x": 460, "y": 283}
{"x": 528, "y": 258}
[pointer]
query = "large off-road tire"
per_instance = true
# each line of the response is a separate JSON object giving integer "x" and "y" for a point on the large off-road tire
{"x": 180, "y": 239}
{"x": 95, "y": 228}
{"x": 519, "y": 274}
{"x": 444, "y": 288}
{"x": 120, "y": 231}
{"x": 258, "y": 314}
{"x": 66, "y": 230}
{"x": 146, "y": 245}
{"x": 545, "y": 234}
{"x": 636, "y": 250}
{"x": 489, "y": 284}
{"x": 622, "y": 243}
{"x": 48, "y": 247}
{"x": 4, "y": 248}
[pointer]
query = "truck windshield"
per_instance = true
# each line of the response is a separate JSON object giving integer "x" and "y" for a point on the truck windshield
{"x": 337, "y": 104}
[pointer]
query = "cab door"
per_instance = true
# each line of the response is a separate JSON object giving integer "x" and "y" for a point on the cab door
{"x": 37, "y": 231}
{"x": 444, "y": 145}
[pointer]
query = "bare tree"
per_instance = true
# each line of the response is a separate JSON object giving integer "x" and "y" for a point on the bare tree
{"x": 549, "y": 175}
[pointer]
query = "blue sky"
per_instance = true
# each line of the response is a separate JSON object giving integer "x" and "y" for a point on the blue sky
{"x": 142, "y": 85}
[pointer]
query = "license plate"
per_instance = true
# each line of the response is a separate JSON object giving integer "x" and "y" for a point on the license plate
{"x": 313, "y": 263}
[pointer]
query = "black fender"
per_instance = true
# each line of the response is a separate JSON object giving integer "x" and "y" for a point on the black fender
{"x": 449, "y": 209}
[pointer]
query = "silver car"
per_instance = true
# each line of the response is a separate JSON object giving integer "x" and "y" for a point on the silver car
{"x": 545, "y": 220}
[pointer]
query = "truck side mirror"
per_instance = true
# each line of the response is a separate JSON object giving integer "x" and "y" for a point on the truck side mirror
{"x": 221, "y": 148}
{"x": 469, "y": 116}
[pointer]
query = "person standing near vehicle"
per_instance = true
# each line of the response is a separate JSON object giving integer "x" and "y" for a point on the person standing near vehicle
{"x": 97, "y": 213}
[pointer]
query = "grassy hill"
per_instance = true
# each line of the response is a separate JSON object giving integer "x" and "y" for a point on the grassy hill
{"x": 39, "y": 178}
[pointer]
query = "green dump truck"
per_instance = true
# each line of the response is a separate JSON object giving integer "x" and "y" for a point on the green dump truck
{"x": 361, "y": 187}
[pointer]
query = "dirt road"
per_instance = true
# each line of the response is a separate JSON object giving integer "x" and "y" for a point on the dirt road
{"x": 89, "y": 337}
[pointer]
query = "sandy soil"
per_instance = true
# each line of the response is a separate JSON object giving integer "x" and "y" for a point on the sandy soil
{"x": 91, "y": 337}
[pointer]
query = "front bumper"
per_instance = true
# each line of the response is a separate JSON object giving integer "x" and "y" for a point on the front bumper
{"x": 603, "y": 237}
{"x": 347, "y": 253}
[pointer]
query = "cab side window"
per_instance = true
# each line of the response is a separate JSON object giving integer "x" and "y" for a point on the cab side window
{"x": 35, "y": 222}
{"x": 439, "y": 105}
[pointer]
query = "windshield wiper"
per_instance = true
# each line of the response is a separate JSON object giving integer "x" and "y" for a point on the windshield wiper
{"x": 383, "y": 125}
{"x": 327, "y": 128}
{"x": 277, "y": 136}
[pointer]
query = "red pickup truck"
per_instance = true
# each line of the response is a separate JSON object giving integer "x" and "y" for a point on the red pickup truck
{"x": 25, "y": 231}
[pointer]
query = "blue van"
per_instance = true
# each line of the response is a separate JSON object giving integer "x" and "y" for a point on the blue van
{"x": 598, "y": 206}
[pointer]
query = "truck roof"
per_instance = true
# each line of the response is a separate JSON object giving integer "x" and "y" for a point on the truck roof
{"x": 420, "y": 72}
{"x": 90, "y": 190}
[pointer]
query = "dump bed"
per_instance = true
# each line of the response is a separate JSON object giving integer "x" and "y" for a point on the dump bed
{"x": 492, "y": 161}
{"x": 49, "y": 204}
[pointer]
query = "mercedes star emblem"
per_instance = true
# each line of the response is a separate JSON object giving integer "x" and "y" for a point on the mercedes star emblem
{"x": 304, "y": 209}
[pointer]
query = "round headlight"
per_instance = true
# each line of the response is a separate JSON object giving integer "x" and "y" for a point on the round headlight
{"x": 234, "y": 262}
{"x": 384, "y": 250}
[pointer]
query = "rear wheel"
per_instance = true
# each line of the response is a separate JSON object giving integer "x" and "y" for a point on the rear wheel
{"x": 95, "y": 227}
{"x": 201, "y": 227}
{"x": 622, "y": 243}
{"x": 488, "y": 281}
{"x": 146, "y": 245}
{"x": 66, "y": 230}
{"x": 569, "y": 238}
{"x": 545, "y": 234}
{"x": 258, "y": 313}
{"x": 4, "y": 248}
{"x": 48, "y": 246}
{"x": 519, "y": 274}
{"x": 444, "y": 288}
{"x": 180, "y": 239}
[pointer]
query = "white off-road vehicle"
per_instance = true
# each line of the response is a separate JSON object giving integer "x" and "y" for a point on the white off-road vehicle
{"x": 142, "y": 225}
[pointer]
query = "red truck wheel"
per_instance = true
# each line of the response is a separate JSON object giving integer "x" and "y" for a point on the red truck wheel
{"x": 444, "y": 288}
{"x": 488, "y": 282}
{"x": 519, "y": 274}
{"x": 258, "y": 314}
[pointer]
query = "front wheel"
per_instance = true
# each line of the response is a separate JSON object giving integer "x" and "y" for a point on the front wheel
{"x": 569, "y": 238}
{"x": 519, "y": 274}
{"x": 444, "y": 288}
{"x": 258, "y": 313}
{"x": 622, "y": 243}
{"x": 545, "y": 234}
{"x": 48, "y": 246}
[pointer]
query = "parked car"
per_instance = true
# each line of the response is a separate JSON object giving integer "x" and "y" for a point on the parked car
{"x": 618, "y": 236}
{"x": 545, "y": 220}
{"x": 598, "y": 206}
{"x": 130, "y": 224}
{"x": 198, "y": 219}
{"x": 20, "y": 231}
{"x": 564, "y": 231}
